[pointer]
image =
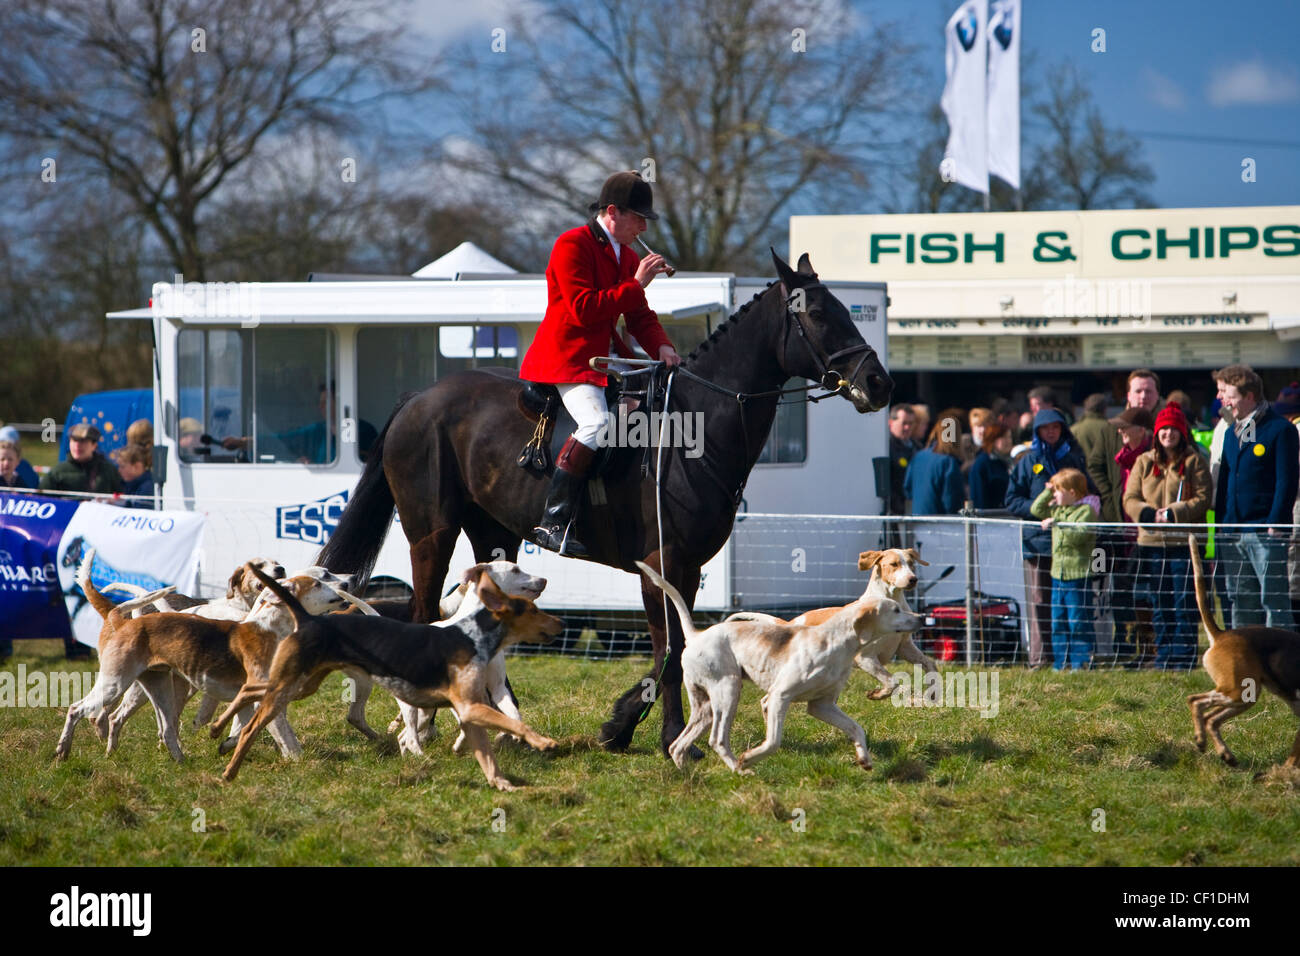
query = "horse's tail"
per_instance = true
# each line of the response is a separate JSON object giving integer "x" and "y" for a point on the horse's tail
{"x": 354, "y": 546}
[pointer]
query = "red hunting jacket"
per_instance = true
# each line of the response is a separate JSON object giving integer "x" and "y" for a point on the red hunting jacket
{"x": 587, "y": 289}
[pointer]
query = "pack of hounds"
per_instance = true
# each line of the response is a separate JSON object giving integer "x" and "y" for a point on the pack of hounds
{"x": 276, "y": 636}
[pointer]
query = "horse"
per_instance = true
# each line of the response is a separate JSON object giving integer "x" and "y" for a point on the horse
{"x": 446, "y": 459}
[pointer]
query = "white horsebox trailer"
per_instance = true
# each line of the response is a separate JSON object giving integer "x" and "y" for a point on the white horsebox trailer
{"x": 267, "y": 362}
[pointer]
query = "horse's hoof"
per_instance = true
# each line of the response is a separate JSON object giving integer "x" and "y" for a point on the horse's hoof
{"x": 615, "y": 738}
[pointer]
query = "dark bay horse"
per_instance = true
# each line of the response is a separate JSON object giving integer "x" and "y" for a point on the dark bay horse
{"x": 447, "y": 461}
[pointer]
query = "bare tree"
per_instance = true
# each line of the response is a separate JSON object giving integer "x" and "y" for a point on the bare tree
{"x": 1080, "y": 162}
{"x": 56, "y": 286}
{"x": 163, "y": 99}
{"x": 285, "y": 216}
{"x": 742, "y": 110}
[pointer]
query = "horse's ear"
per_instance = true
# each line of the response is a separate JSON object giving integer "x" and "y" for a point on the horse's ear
{"x": 787, "y": 275}
{"x": 805, "y": 266}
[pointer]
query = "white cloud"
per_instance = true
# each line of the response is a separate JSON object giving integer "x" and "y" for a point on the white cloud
{"x": 1163, "y": 91}
{"x": 443, "y": 21}
{"x": 1252, "y": 82}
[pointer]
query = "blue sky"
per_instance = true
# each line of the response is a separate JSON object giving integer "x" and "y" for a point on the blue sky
{"x": 1225, "y": 71}
{"x": 1202, "y": 84}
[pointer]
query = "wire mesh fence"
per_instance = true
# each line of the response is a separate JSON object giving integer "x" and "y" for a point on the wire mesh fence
{"x": 991, "y": 589}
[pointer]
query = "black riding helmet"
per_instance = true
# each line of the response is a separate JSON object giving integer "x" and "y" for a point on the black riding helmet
{"x": 626, "y": 191}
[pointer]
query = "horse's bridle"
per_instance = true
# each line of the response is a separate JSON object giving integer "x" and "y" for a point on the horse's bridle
{"x": 829, "y": 378}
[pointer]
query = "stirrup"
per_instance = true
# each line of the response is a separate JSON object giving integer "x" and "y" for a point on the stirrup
{"x": 567, "y": 547}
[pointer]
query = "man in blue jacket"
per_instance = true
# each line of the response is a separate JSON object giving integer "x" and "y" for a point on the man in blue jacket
{"x": 1053, "y": 448}
{"x": 1258, "y": 474}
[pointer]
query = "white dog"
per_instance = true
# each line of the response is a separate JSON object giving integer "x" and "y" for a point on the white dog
{"x": 893, "y": 573}
{"x": 791, "y": 662}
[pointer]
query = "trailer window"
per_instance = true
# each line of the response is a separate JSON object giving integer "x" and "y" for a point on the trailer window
{"x": 788, "y": 441}
{"x": 395, "y": 360}
{"x": 267, "y": 393}
{"x": 211, "y": 369}
{"x": 294, "y": 385}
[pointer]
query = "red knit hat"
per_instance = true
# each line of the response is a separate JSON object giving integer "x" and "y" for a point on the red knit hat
{"x": 1171, "y": 416}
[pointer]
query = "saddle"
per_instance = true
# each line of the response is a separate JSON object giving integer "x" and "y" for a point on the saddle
{"x": 540, "y": 404}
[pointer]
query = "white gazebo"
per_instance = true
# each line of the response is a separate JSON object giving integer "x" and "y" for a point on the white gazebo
{"x": 465, "y": 259}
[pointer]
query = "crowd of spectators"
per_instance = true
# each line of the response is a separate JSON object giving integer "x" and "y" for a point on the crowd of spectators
{"x": 125, "y": 478}
{"x": 1135, "y": 474}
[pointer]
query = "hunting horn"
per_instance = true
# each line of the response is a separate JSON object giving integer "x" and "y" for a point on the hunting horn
{"x": 670, "y": 271}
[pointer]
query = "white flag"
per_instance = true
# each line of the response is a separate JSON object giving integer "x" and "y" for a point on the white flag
{"x": 1004, "y": 91}
{"x": 966, "y": 159}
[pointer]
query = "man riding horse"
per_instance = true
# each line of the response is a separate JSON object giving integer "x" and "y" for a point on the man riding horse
{"x": 593, "y": 277}
{"x": 448, "y": 458}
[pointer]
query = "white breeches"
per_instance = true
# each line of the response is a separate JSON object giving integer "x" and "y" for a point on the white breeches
{"x": 586, "y": 403}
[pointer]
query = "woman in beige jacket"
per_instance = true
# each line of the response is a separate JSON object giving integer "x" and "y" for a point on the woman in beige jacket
{"x": 1169, "y": 485}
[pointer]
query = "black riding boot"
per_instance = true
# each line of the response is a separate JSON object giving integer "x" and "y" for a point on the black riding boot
{"x": 562, "y": 503}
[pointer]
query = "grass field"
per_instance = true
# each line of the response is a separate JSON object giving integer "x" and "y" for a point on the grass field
{"x": 949, "y": 786}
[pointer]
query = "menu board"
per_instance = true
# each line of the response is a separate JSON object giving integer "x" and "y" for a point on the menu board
{"x": 917, "y": 352}
{"x": 911, "y": 352}
{"x": 1212, "y": 350}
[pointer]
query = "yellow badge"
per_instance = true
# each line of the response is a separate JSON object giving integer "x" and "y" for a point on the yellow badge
{"x": 1038, "y": 467}
{"x": 902, "y": 463}
{"x": 1259, "y": 450}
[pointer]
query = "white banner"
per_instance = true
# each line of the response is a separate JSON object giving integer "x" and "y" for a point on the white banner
{"x": 1004, "y": 91}
{"x": 149, "y": 548}
{"x": 966, "y": 158}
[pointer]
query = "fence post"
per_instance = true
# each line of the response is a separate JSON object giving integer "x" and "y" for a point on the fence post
{"x": 967, "y": 511}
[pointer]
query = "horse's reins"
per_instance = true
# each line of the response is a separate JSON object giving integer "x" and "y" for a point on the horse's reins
{"x": 649, "y": 367}
{"x": 830, "y": 381}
